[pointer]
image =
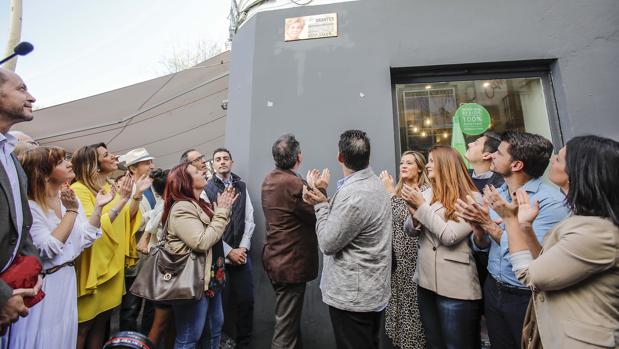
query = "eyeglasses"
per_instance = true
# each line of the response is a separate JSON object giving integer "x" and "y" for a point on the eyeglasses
{"x": 198, "y": 159}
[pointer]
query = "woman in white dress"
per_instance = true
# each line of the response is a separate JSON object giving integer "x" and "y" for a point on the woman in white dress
{"x": 61, "y": 231}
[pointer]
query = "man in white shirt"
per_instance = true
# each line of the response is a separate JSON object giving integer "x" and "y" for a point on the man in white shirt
{"x": 239, "y": 295}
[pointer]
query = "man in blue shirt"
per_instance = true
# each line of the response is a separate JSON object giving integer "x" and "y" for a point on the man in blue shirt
{"x": 521, "y": 159}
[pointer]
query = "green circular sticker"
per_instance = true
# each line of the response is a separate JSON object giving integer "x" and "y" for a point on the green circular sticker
{"x": 474, "y": 118}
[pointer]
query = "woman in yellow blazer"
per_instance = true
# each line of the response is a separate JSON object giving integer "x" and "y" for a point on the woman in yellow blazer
{"x": 449, "y": 290}
{"x": 575, "y": 277}
{"x": 100, "y": 268}
{"x": 194, "y": 225}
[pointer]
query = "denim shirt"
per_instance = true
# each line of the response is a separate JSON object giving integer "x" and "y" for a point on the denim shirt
{"x": 552, "y": 210}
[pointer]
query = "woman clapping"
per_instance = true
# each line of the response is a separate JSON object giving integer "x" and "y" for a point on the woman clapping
{"x": 60, "y": 231}
{"x": 194, "y": 226}
{"x": 575, "y": 278}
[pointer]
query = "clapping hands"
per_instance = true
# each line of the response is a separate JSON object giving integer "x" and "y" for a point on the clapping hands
{"x": 413, "y": 196}
{"x": 520, "y": 208}
{"x": 68, "y": 198}
{"x": 388, "y": 182}
{"x": 103, "y": 197}
{"x": 227, "y": 198}
{"x": 318, "y": 180}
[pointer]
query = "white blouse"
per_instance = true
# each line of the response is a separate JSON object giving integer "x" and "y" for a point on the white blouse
{"x": 52, "y": 251}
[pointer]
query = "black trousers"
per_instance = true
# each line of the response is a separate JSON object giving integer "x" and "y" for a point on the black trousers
{"x": 129, "y": 308}
{"x": 238, "y": 303}
{"x": 355, "y": 330}
{"x": 505, "y": 311}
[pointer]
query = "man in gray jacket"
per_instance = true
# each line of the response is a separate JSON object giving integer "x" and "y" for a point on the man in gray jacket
{"x": 354, "y": 234}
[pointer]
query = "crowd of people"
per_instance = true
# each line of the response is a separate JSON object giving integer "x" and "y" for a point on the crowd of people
{"x": 421, "y": 259}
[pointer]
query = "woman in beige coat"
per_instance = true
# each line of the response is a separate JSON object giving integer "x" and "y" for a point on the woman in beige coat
{"x": 193, "y": 225}
{"x": 575, "y": 277}
{"x": 449, "y": 290}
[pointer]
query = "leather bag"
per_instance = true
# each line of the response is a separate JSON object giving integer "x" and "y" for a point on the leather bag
{"x": 170, "y": 278}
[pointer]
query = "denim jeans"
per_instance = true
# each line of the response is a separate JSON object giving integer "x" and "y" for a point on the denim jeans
{"x": 447, "y": 322}
{"x": 193, "y": 318}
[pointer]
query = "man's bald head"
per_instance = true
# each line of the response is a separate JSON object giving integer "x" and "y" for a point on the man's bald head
{"x": 15, "y": 100}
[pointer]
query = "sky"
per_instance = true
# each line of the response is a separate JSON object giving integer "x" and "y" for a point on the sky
{"x": 82, "y": 48}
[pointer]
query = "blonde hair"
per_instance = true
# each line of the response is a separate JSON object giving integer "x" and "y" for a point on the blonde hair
{"x": 422, "y": 180}
{"x": 85, "y": 162}
{"x": 451, "y": 179}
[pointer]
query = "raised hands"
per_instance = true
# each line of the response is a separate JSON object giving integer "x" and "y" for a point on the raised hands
{"x": 68, "y": 198}
{"x": 313, "y": 196}
{"x": 318, "y": 180}
{"x": 526, "y": 212}
{"x": 126, "y": 187}
{"x": 227, "y": 198}
{"x": 103, "y": 197}
{"x": 388, "y": 182}
{"x": 472, "y": 211}
{"x": 413, "y": 196}
{"x": 143, "y": 183}
{"x": 503, "y": 208}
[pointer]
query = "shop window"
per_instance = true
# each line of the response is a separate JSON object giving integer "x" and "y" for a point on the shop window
{"x": 425, "y": 107}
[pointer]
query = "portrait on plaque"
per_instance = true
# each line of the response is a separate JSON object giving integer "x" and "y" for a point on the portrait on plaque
{"x": 310, "y": 27}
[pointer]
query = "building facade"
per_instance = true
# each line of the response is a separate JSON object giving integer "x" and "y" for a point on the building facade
{"x": 399, "y": 69}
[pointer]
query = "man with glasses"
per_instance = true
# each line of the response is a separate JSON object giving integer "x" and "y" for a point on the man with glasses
{"x": 195, "y": 158}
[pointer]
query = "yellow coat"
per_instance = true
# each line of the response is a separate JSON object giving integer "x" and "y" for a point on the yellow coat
{"x": 101, "y": 267}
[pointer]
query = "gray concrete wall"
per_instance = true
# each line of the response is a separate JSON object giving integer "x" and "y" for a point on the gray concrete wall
{"x": 318, "y": 88}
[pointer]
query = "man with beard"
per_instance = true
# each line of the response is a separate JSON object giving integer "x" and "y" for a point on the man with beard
{"x": 15, "y": 218}
{"x": 239, "y": 294}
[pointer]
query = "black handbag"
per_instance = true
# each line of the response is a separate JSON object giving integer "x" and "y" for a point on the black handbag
{"x": 170, "y": 278}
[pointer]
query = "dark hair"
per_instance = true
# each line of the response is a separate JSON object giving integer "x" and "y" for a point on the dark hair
{"x": 533, "y": 150}
{"x": 179, "y": 188}
{"x": 492, "y": 142}
{"x": 219, "y": 150}
{"x": 354, "y": 146}
{"x": 39, "y": 163}
{"x": 285, "y": 151}
{"x": 159, "y": 177}
{"x": 591, "y": 165}
{"x": 185, "y": 154}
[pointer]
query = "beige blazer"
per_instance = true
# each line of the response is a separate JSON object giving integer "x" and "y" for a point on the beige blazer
{"x": 445, "y": 262}
{"x": 575, "y": 283}
{"x": 190, "y": 229}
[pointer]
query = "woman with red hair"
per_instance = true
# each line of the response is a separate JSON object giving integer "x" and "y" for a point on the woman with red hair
{"x": 193, "y": 225}
{"x": 448, "y": 285}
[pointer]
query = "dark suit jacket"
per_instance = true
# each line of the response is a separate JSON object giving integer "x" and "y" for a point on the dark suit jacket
{"x": 290, "y": 253}
{"x": 8, "y": 223}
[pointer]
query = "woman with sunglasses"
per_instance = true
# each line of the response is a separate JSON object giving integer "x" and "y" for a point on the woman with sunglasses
{"x": 101, "y": 267}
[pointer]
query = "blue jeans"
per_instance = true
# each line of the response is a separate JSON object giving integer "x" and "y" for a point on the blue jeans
{"x": 191, "y": 321}
{"x": 447, "y": 322}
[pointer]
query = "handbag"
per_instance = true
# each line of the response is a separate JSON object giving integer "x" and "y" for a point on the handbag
{"x": 23, "y": 273}
{"x": 170, "y": 278}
